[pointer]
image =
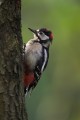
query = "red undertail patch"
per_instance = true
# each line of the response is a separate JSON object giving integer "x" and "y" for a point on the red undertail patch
{"x": 28, "y": 79}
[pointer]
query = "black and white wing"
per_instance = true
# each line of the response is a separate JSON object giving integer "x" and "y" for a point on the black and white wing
{"x": 40, "y": 67}
{"x": 41, "y": 64}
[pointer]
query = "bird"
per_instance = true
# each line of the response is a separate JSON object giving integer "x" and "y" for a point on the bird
{"x": 36, "y": 56}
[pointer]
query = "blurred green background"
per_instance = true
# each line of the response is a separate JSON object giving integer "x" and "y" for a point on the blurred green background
{"x": 57, "y": 95}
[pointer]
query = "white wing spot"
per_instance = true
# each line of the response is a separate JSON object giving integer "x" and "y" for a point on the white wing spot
{"x": 45, "y": 60}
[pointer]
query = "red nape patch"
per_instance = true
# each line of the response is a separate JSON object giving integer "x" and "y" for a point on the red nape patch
{"x": 28, "y": 78}
{"x": 51, "y": 36}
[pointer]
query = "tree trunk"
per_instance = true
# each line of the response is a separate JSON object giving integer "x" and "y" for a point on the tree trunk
{"x": 11, "y": 87}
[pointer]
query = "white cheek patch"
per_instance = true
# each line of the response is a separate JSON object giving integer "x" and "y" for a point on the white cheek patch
{"x": 43, "y": 37}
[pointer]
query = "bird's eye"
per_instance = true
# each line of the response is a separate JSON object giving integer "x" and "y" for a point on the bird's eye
{"x": 41, "y": 33}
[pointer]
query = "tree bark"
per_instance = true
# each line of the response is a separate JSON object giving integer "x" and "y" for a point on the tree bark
{"x": 12, "y": 105}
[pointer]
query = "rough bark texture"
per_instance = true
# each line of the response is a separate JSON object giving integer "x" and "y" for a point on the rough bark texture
{"x": 11, "y": 89}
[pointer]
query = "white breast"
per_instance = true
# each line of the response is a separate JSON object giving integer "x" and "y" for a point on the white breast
{"x": 32, "y": 54}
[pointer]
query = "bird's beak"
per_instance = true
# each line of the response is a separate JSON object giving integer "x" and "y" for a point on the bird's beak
{"x": 34, "y": 31}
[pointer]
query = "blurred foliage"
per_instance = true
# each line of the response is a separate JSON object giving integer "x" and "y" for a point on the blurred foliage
{"x": 57, "y": 95}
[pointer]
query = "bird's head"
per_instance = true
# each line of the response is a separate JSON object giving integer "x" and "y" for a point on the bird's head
{"x": 44, "y": 36}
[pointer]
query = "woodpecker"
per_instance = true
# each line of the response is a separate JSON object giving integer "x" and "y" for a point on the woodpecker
{"x": 36, "y": 55}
